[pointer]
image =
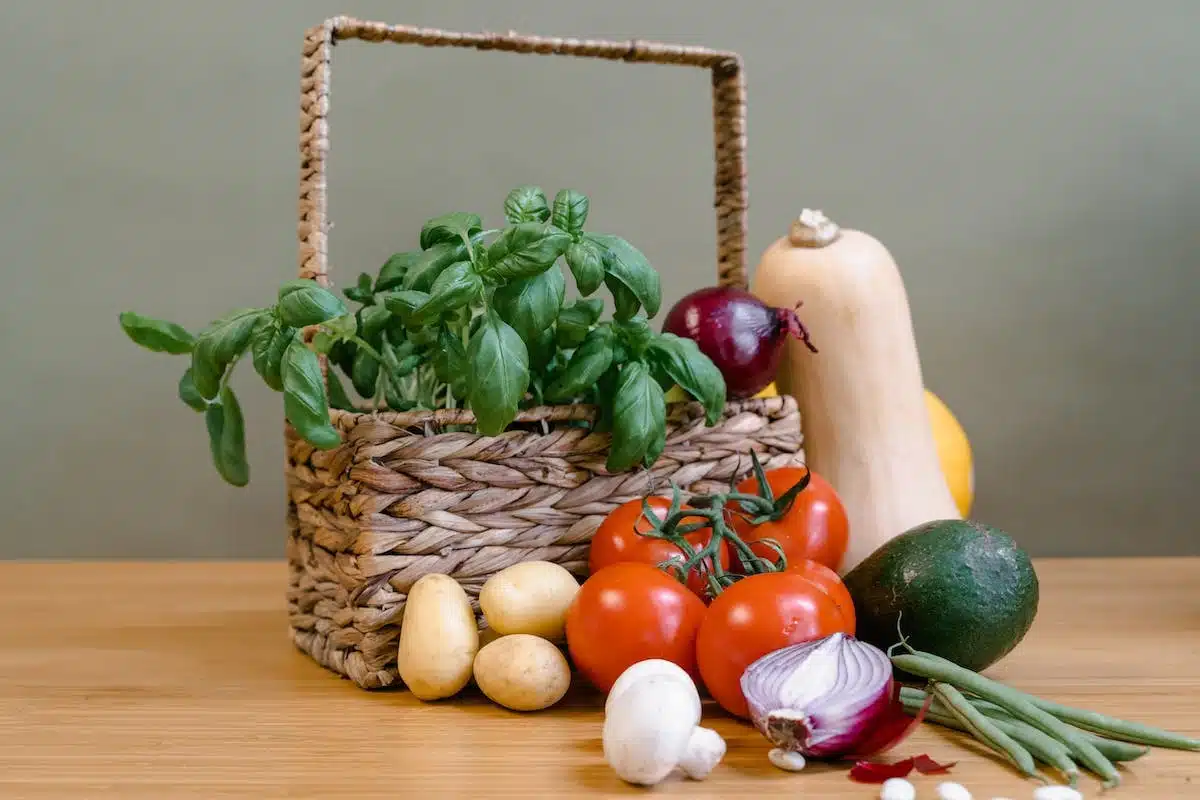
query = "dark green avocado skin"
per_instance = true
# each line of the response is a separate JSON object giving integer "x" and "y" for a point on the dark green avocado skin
{"x": 961, "y": 590}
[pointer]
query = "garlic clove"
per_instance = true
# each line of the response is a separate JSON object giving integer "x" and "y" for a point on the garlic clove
{"x": 952, "y": 791}
{"x": 897, "y": 789}
{"x": 788, "y": 760}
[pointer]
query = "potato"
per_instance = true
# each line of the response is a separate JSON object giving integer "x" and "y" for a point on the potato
{"x": 438, "y": 638}
{"x": 531, "y": 597}
{"x": 522, "y": 672}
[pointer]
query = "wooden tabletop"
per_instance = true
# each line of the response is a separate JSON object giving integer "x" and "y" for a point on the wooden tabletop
{"x": 179, "y": 681}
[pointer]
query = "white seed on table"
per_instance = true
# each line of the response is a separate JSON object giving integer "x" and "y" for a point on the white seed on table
{"x": 897, "y": 789}
{"x": 789, "y": 760}
{"x": 1056, "y": 793}
{"x": 952, "y": 791}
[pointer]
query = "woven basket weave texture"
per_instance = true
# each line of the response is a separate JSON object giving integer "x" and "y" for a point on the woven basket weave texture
{"x": 404, "y": 497}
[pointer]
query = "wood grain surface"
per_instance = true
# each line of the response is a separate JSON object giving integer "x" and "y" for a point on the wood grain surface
{"x": 178, "y": 680}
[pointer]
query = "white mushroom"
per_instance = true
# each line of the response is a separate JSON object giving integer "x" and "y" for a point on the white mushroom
{"x": 651, "y": 727}
{"x": 644, "y": 669}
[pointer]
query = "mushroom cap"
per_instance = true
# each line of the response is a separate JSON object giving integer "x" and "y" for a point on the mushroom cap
{"x": 644, "y": 669}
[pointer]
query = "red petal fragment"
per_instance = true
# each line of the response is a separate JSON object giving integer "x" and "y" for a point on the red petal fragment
{"x": 927, "y": 766}
{"x": 876, "y": 772}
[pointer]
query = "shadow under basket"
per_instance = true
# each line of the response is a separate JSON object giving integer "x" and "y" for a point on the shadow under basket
{"x": 401, "y": 499}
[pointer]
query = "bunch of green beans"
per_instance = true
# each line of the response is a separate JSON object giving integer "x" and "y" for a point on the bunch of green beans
{"x": 1024, "y": 728}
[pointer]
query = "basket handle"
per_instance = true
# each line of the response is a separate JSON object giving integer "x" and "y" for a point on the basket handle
{"x": 729, "y": 121}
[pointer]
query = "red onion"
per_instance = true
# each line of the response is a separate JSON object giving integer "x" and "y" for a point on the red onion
{"x": 826, "y": 698}
{"x": 739, "y": 333}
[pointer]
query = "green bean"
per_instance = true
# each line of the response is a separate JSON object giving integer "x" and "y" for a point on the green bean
{"x": 1120, "y": 729}
{"x": 1046, "y": 749}
{"x": 1110, "y": 727}
{"x": 983, "y": 728}
{"x": 1016, "y": 703}
{"x": 1110, "y": 748}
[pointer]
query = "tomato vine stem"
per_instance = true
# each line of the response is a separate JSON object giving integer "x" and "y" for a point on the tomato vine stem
{"x": 712, "y": 512}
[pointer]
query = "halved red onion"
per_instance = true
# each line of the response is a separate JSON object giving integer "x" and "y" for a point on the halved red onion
{"x": 825, "y": 698}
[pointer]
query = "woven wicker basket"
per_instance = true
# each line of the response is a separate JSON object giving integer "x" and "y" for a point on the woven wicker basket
{"x": 401, "y": 498}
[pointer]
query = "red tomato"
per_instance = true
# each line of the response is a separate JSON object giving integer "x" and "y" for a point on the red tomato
{"x": 629, "y": 612}
{"x": 815, "y": 527}
{"x": 620, "y": 539}
{"x": 755, "y": 616}
{"x": 828, "y": 580}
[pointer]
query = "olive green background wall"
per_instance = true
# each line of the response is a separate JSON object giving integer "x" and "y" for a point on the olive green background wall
{"x": 1033, "y": 166}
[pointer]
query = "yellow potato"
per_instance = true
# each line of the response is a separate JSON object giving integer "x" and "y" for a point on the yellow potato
{"x": 522, "y": 672}
{"x": 438, "y": 638}
{"x": 531, "y": 597}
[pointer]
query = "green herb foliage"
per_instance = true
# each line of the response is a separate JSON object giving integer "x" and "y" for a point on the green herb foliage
{"x": 472, "y": 318}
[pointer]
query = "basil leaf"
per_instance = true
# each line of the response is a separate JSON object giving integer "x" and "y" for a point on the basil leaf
{"x": 639, "y": 417}
{"x": 576, "y": 320}
{"x": 406, "y": 365}
{"x": 322, "y": 343}
{"x": 453, "y": 227}
{"x": 657, "y": 445}
{"x": 591, "y": 360}
{"x": 635, "y": 334}
{"x": 404, "y": 303}
{"x": 541, "y": 350}
{"x": 524, "y": 250}
{"x": 188, "y": 393}
{"x": 526, "y": 204}
{"x": 157, "y": 334}
{"x": 627, "y": 264}
{"x": 364, "y": 373}
{"x": 219, "y": 345}
{"x": 305, "y": 302}
{"x": 304, "y": 402}
{"x": 392, "y": 273}
{"x": 343, "y": 327}
{"x": 453, "y": 289}
{"x": 531, "y": 305}
{"x": 570, "y": 210}
{"x": 695, "y": 373}
{"x": 586, "y": 261}
{"x": 361, "y": 292}
{"x": 602, "y": 398}
{"x": 424, "y": 271}
{"x": 625, "y": 302}
{"x": 499, "y": 374}
{"x": 372, "y": 321}
{"x": 227, "y": 438}
{"x": 450, "y": 362}
{"x": 337, "y": 393}
{"x": 342, "y": 356}
{"x": 267, "y": 344}
{"x": 424, "y": 336}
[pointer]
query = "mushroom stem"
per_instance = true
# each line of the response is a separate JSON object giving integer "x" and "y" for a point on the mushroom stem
{"x": 705, "y": 749}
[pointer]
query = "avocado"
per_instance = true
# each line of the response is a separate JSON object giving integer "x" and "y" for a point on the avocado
{"x": 958, "y": 589}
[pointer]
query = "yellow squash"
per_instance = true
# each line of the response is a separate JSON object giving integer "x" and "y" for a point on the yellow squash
{"x": 954, "y": 452}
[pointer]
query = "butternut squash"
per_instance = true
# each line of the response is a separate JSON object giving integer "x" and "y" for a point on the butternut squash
{"x": 861, "y": 398}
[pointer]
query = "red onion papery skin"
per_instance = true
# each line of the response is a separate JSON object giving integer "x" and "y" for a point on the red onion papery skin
{"x": 738, "y": 332}
{"x": 835, "y": 723}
